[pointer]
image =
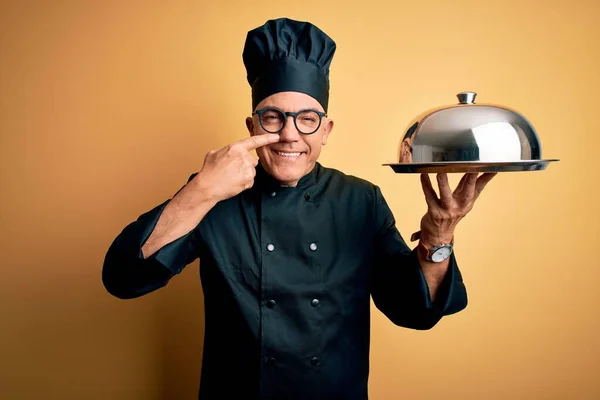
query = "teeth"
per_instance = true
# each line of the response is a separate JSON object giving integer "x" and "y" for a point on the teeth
{"x": 288, "y": 154}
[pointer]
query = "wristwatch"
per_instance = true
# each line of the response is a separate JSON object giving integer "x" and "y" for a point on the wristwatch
{"x": 437, "y": 253}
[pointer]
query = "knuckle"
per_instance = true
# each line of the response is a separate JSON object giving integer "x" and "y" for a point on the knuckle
{"x": 211, "y": 154}
{"x": 248, "y": 183}
{"x": 436, "y": 216}
{"x": 444, "y": 218}
{"x": 446, "y": 203}
{"x": 457, "y": 214}
{"x": 233, "y": 147}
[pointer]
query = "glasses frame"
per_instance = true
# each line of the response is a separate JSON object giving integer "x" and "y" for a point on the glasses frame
{"x": 286, "y": 115}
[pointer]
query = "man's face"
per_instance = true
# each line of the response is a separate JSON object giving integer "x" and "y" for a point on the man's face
{"x": 296, "y": 153}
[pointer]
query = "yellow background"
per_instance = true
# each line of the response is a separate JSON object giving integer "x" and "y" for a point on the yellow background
{"x": 106, "y": 107}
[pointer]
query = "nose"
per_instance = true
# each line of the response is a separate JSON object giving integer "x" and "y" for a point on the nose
{"x": 289, "y": 133}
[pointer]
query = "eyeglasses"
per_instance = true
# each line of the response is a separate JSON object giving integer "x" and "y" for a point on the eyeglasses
{"x": 273, "y": 120}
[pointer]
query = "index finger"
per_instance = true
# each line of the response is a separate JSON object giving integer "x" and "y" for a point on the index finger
{"x": 254, "y": 142}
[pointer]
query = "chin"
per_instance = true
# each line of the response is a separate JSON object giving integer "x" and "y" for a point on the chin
{"x": 287, "y": 174}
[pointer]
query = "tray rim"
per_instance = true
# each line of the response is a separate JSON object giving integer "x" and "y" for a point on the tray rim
{"x": 474, "y": 163}
{"x": 451, "y": 167}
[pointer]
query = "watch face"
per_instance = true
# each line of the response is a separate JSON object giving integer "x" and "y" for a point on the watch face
{"x": 441, "y": 254}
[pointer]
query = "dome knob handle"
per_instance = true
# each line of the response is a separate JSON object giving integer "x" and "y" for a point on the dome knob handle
{"x": 466, "y": 97}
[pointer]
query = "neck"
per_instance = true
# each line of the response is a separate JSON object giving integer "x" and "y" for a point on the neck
{"x": 307, "y": 178}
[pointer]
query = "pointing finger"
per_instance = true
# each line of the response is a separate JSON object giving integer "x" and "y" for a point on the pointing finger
{"x": 254, "y": 142}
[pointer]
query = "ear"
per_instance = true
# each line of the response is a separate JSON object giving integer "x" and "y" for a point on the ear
{"x": 250, "y": 125}
{"x": 327, "y": 131}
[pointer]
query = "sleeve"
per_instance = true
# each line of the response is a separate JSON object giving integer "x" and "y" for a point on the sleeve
{"x": 125, "y": 272}
{"x": 398, "y": 286}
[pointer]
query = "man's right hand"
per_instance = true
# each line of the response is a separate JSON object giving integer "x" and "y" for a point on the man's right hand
{"x": 226, "y": 172}
{"x": 230, "y": 170}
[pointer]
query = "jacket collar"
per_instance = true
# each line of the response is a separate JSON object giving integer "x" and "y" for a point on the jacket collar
{"x": 268, "y": 182}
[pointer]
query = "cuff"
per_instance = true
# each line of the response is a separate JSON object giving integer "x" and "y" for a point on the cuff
{"x": 174, "y": 256}
{"x": 452, "y": 295}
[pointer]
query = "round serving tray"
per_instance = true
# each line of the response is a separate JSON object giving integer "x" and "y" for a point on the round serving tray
{"x": 470, "y": 166}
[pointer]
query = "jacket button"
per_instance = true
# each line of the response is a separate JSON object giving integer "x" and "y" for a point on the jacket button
{"x": 307, "y": 196}
{"x": 271, "y": 303}
{"x": 270, "y": 247}
{"x": 313, "y": 246}
{"x": 314, "y": 360}
{"x": 314, "y": 302}
{"x": 270, "y": 360}
{"x": 273, "y": 194}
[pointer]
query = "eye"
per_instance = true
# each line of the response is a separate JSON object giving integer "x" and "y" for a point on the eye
{"x": 271, "y": 116}
{"x": 309, "y": 117}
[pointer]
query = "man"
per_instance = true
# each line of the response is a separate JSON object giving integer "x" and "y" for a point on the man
{"x": 291, "y": 251}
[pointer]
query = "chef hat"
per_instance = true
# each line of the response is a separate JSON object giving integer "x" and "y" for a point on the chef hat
{"x": 287, "y": 55}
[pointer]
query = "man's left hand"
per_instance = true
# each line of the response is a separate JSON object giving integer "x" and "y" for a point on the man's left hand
{"x": 444, "y": 212}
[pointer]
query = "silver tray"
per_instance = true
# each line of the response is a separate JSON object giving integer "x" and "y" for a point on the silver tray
{"x": 470, "y": 166}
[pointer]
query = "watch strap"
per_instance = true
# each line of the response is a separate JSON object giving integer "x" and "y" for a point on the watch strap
{"x": 415, "y": 236}
{"x": 428, "y": 251}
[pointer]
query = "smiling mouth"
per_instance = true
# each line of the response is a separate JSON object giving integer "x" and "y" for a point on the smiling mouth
{"x": 288, "y": 154}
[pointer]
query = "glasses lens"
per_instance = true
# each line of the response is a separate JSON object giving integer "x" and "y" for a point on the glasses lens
{"x": 272, "y": 121}
{"x": 308, "y": 122}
